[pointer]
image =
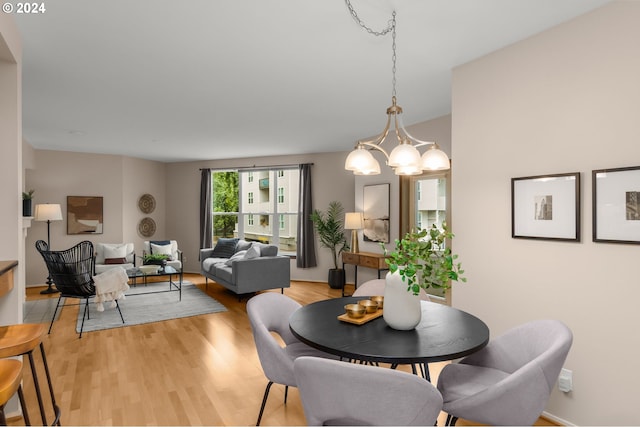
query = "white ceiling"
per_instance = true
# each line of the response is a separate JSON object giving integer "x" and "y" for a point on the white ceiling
{"x": 215, "y": 79}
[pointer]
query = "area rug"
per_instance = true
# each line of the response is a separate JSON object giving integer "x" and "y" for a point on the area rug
{"x": 40, "y": 310}
{"x": 140, "y": 307}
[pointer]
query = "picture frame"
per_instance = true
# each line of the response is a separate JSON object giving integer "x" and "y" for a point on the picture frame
{"x": 546, "y": 207}
{"x": 376, "y": 213}
{"x": 616, "y": 205}
{"x": 84, "y": 215}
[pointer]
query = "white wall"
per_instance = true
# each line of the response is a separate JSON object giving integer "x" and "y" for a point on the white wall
{"x": 11, "y": 234}
{"x": 565, "y": 100}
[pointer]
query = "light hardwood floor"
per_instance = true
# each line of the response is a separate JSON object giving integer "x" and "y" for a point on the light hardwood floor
{"x": 201, "y": 370}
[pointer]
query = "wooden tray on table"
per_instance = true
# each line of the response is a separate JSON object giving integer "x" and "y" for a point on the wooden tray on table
{"x": 344, "y": 317}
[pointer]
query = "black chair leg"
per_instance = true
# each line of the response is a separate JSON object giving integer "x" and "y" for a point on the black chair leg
{"x": 286, "y": 391}
{"x": 56, "y": 408}
{"x": 23, "y": 405}
{"x": 119, "y": 311}
{"x": 451, "y": 420}
{"x": 264, "y": 402}
{"x": 54, "y": 314}
{"x": 84, "y": 316}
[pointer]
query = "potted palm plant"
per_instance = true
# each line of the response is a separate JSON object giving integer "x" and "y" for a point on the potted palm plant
{"x": 330, "y": 228}
{"x": 421, "y": 260}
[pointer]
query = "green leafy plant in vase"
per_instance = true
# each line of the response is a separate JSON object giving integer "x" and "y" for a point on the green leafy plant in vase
{"x": 330, "y": 228}
{"x": 155, "y": 259}
{"x": 421, "y": 260}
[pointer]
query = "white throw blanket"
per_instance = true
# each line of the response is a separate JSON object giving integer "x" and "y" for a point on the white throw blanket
{"x": 110, "y": 286}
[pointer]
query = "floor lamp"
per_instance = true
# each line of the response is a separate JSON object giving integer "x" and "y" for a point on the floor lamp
{"x": 48, "y": 212}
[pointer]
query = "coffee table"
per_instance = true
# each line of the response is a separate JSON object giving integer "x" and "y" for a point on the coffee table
{"x": 166, "y": 271}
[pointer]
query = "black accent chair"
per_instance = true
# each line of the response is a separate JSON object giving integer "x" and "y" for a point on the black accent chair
{"x": 71, "y": 270}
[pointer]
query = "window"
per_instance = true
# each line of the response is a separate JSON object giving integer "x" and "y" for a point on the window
{"x": 247, "y": 206}
{"x": 425, "y": 199}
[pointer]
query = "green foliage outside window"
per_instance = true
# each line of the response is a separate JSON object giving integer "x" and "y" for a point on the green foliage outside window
{"x": 225, "y": 199}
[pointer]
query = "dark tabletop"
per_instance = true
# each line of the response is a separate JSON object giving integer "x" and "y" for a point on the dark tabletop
{"x": 444, "y": 333}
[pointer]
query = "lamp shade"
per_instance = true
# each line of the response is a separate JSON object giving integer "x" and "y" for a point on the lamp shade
{"x": 435, "y": 159}
{"x": 404, "y": 155}
{"x": 48, "y": 212}
{"x": 353, "y": 221}
{"x": 362, "y": 162}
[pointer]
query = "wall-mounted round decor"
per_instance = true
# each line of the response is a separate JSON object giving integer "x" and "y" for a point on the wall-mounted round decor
{"x": 147, "y": 203}
{"x": 147, "y": 227}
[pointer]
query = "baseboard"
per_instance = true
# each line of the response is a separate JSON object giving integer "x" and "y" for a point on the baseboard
{"x": 556, "y": 420}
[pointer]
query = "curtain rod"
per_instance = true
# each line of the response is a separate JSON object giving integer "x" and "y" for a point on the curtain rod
{"x": 254, "y": 167}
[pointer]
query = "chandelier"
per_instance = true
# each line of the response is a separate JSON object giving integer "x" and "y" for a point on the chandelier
{"x": 404, "y": 158}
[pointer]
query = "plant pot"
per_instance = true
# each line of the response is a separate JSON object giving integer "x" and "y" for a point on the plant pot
{"x": 402, "y": 309}
{"x": 27, "y": 205}
{"x": 161, "y": 263}
{"x": 336, "y": 278}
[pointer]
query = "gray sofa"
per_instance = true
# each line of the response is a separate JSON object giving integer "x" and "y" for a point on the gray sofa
{"x": 245, "y": 267}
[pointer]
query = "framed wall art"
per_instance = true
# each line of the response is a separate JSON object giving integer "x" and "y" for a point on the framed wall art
{"x": 616, "y": 205}
{"x": 546, "y": 207}
{"x": 376, "y": 213}
{"x": 84, "y": 215}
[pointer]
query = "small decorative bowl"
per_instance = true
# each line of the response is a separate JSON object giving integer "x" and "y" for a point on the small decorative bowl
{"x": 355, "y": 311}
{"x": 370, "y": 306}
{"x": 378, "y": 299}
{"x": 149, "y": 269}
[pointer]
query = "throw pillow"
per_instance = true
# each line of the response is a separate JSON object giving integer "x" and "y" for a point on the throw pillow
{"x": 162, "y": 250}
{"x": 160, "y": 242}
{"x": 252, "y": 252}
{"x": 115, "y": 251}
{"x": 243, "y": 245}
{"x": 225, "y": 248}
{"x": 115, "y": 260}
{"x": 236, "y": 256}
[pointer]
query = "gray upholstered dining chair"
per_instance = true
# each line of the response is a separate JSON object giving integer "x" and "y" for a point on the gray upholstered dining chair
{"x": 376, "y": 287}
{"x": 269, "y": 312}
{"x": 340, "y": 393}
{"x": 509, "y": 381}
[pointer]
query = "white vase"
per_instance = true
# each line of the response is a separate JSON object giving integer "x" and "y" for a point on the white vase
{"x": 402, "y": 309}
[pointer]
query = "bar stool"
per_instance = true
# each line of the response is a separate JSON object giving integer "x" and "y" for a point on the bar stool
{"x": 10, "y": 379}
{"x": 21, "y": 339}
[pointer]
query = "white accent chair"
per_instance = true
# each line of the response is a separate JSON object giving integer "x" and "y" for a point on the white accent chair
{"x": 112, "y": 255}
{"x": 171, "y": 249}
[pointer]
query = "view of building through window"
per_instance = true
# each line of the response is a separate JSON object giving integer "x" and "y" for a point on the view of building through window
{"x": 258, "y": 205}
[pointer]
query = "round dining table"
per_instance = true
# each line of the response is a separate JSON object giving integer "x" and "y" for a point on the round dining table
{"x": 444, "y": 333}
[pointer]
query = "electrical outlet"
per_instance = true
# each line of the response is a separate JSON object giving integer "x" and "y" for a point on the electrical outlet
{"x": 565, "y": 380}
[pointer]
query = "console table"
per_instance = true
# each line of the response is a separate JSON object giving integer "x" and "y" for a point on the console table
{"x": 363, "y": 259}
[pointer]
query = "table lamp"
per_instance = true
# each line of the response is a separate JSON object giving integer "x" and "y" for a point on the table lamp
{"x": 48, "y": 212}
{"x": 354, "y": 221}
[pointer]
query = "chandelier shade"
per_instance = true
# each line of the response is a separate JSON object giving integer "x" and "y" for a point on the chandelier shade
{"x": 404, "y": 158}
{"x": 362, "y": 162}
